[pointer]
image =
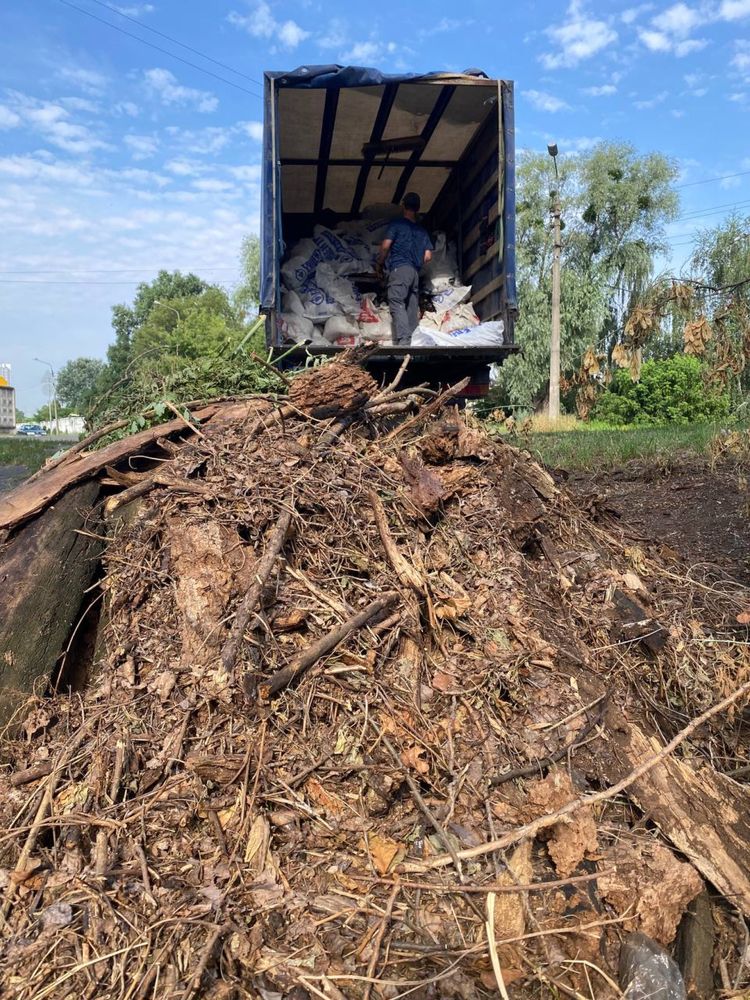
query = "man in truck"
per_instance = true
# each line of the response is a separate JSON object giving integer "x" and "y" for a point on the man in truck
{"x": 407, "y": 246}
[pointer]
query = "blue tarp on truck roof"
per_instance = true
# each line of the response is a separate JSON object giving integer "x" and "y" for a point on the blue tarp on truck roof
{"x": 358, "y": 76}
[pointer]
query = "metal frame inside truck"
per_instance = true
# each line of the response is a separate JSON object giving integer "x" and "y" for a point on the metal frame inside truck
{"x": 328, "y": 152}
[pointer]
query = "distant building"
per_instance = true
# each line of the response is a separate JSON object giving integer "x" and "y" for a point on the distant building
{"x": 7, "y": 400}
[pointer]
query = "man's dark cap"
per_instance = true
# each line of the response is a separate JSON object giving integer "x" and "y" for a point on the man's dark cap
{"x": 412, "y": 201}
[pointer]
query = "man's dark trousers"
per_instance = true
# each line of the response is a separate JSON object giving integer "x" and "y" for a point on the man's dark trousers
{"x": 403, "y": 300}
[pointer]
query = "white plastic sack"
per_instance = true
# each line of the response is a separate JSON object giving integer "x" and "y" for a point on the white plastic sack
{"x": 292, "y": 303}
{"x": 295, "y": 327}
{"x": 449, "y": 296}
{"x": 306, "y": 256}
{"x": 374, "y": 321}
{"x": 338, "y": 288}
{"x": 484, "y": 335}
{"x": 443, "y": 268}
{"x": 317, "y": 305}
{"x": 340, "y": 326}
{"x": 459, "y": 318}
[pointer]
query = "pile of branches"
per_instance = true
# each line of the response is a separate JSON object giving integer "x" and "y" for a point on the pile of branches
{"x": 376, "y": 711}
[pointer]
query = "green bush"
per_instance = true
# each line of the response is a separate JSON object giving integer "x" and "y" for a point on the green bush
{"x": 674, "y": 391}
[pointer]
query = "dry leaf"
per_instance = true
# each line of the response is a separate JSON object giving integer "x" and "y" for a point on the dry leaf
{"x": 444, "y": 682}
{"x": 162, "y": 684}
{"x": 744, "y": 616}
{"x": 452, "y": 608}
{"x": 291, "y": 620}
{"x": 326, "y": 801}
{"x": 383, "y": 851}
{"x": 413, "y": 758}
{"x": 633, "y": 582}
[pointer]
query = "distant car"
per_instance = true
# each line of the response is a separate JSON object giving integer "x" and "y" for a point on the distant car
{"x": 30, "y": 430}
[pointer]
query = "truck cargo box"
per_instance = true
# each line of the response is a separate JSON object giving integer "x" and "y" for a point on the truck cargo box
{"x": 339, "y": 140}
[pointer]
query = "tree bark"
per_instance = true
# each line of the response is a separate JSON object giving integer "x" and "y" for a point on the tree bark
{"x": 44, "y": 570}
{"x": 704, "y": 814}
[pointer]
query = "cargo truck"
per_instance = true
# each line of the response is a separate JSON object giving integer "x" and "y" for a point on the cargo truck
{"x": 338, "y": 139}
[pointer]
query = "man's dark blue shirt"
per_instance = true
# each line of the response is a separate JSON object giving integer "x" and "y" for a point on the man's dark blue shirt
{"x": 410, "y": 241}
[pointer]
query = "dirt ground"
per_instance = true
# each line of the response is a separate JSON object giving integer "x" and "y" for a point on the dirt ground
{"x": 700, "y": 512}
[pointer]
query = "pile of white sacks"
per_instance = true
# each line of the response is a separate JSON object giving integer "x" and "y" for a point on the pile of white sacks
{"x": 322, "y": 305}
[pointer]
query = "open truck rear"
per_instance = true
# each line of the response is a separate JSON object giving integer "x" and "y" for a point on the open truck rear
{"x": 338, "y": 140}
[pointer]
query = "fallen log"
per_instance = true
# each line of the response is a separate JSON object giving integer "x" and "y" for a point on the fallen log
{"x": 40, "y": 606}
{"x": 703, "y": 813}
{"x": 35, "y": 496}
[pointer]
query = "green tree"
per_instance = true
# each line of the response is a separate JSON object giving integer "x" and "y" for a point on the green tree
{"x": 188, "y": 328}
{"x": 77, "y": 382}
{"x": 127, "y": 320}
{"x": 247, "y": 294}
{"x": 615, "y": 204}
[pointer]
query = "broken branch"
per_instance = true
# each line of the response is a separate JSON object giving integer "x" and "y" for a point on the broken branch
{"x": 299, "y": 663}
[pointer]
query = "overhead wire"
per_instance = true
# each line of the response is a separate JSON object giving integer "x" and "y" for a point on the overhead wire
{"x": 706, "y": 180}
{"x": 158, "y": 48}
{"x": 176, "y": 41}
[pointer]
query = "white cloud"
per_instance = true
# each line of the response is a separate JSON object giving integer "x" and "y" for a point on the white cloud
{"x": 127, "y": 108}
{"x": 261, "y": 23}
{"x": 79, "y": 104}
{"x": 677, "y": 113}
{"x": 291, "y": 34}
{"x": 605, "y": 90}
{"x": 135, "y": 10}
{"x": 253, "y": 129}
{"x": 631, "y": 14}
{"x": 214, "y": 185}
{"x": 184, "y": 168}
{"x": 543, "y": 101}
{"x": 670, "y": 31}
{"x": 734, "y": 10}
{"x": 577, "y": 38}
{"x": 88, "y": 80}
{"x": 679, "y": 20}
{"x": 202, "y": 141}
{"x": 29, "y": 168}
{"x": 8, "y": 118}
{"x": 141, "y": 146}
{"x": 364, "y": 53}
{"x": 53, "y": 122}
{"x": 446, "y": 25}
{"x": 335, "y": 36}
{"x": 651, "y": 102}
{"x": 249, "y": 172}
{"x": 164, "y": 85}
{"x": 682, "y": 49}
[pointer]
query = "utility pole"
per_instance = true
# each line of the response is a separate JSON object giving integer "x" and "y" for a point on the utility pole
{"x": 51, "y": 394}
{"x": 554, "y": 353}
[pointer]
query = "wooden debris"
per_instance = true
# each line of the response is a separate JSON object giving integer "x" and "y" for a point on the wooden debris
{"x": 324, "y": 817}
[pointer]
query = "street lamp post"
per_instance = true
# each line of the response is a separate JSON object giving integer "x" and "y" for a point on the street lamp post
{"x": 166, "y": 305}
{"x": 52, "y": 394}
{"x": 554, "y": 354}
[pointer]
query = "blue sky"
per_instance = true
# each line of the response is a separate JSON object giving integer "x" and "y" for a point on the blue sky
{"x": 117, "y": 158}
